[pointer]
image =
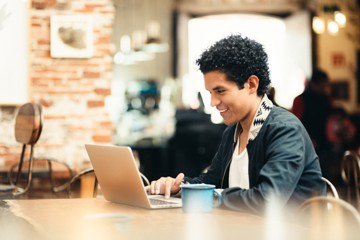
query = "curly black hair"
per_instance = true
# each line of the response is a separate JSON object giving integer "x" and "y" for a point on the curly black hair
{"x": 239, "y": 58}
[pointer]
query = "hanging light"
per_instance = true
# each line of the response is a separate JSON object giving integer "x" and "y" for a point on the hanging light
{"x": 142, "y": 45}
{"x": 332, "y": 15}
{"x": 332, "y": 27}
{"x": 130, "y": 51}
{"x": 318, "y": 25}
{"x": 139, "y": 38}
{"x": 340, "y": 18}
{"x": 153, "y": 43}
{"x": 124, "y": 56}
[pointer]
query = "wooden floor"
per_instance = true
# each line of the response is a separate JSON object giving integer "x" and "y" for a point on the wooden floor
{"x": 40, "y": 190}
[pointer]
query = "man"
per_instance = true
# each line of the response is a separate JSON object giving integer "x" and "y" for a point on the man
{"x": 265, "y": 152}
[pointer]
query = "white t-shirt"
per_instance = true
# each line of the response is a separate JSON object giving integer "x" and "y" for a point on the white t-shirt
{"x": 239, "y": 169}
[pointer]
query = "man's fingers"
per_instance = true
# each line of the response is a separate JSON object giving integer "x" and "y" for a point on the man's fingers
{"x": 165, "y": 185}
{"x": 179, "y": 178}
{"x": 152, "y": 187}
{"x": 168, "y": 185}
{"x": 158, "y": 185}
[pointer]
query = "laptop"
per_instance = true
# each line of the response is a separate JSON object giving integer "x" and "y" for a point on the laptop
{"x": 120, "y": 180}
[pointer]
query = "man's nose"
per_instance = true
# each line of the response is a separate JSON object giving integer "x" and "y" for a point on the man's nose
{"x": 214, "y": 101}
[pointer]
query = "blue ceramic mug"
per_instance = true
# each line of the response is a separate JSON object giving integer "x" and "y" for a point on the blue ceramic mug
{"x": 198, "y": 198}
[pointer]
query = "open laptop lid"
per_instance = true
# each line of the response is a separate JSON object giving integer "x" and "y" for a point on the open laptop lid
{"x": 117, "y": 173}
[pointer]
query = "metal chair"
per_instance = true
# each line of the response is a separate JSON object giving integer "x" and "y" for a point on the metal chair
{"x": 47, "y": 168}
{"x": 332, "y": 188}
{"x": 76, "y": 189}
{"x": 28, "y": 127}
{"x": 329, "y": 218}
{"x": 350, "y": 174}
{"x": 85, "y": 184}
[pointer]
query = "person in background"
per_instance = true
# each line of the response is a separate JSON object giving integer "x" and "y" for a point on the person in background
{"x": 313, "y": 108}
{"x": 340, "y": 130}
{"x": 265, "y": 152}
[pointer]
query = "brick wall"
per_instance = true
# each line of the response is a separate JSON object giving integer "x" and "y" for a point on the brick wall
{"x": 72, "y": 92}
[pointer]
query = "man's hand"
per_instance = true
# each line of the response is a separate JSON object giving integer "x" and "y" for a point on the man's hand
{"x": 165, "y": 185}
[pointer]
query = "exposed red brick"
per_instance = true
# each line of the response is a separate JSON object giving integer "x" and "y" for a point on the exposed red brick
{"x": 90, "y": 74}
{"x": 94, "y": 5}
{"x": 55, "y": 116}
{"x": 34, "y": 24}
{"x": 43, "y": 42}
{"x": 43, "y": 54}
{"x": 95, "y": 103}
{"x": 102, "y": 138}
{"x": 42, "y": 4}
{"x": 38, "y": 4}
{"x": 73, "y": 78}
{"x": 69, "y": 79}
{"x": 103, "y": 91}
{"x": 54, "y": 79}
{"x": 104, "y": 39}
{"x": 59, "y": 91}
{"x": 107, "y": 124}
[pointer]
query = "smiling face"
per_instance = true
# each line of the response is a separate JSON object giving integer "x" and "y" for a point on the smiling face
{"x": 234, "y": 104}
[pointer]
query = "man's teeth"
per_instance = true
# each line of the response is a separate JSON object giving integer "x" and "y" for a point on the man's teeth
{"x": 222, "y": 110}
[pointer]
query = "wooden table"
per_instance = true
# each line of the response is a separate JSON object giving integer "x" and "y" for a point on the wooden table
{"x": 95, "y": 218}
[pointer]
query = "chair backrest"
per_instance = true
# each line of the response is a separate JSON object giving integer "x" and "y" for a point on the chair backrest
{"x": 85, "y": 184}
{"x": 331, "y": 187}
{"x": 28, "y": 128}
{"x": 28, "y": 123}
{"x": 329, "y": 218}
{"x": 350, "y": 174}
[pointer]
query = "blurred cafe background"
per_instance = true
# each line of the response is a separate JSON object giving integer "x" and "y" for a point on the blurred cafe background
{"x": 122, "y": 72}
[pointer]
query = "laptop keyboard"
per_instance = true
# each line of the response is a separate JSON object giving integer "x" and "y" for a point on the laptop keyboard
{"x": 154, "y": 201}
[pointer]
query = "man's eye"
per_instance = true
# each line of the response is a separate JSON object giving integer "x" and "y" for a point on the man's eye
{"x": 220, "y": 91}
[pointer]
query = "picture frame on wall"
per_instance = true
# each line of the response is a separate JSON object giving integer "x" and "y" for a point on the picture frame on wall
{"x": 71, "y": 36}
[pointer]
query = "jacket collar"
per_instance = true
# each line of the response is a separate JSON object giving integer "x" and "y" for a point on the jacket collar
{"x": 262, "y": 113}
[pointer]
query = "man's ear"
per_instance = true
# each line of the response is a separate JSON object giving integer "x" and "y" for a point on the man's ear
{"x": 253, "y": 83}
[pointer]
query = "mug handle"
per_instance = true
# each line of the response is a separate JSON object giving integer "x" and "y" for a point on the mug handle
{"x": 217, "y": 197}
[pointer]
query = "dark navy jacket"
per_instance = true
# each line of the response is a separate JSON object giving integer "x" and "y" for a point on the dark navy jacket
{"x": 283, "y": 165}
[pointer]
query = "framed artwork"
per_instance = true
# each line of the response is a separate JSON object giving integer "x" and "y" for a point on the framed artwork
{"x": 71, "y": 36}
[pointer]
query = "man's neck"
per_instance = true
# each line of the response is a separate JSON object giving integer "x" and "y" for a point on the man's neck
{"x": 247, "y": 122}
